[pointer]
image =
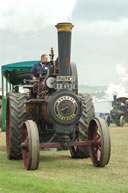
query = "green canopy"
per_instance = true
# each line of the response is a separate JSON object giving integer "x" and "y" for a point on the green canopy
{"x": 18, "y": 66}
{"x": 15, "y": 73}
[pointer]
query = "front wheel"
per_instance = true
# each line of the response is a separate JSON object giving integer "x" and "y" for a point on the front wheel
{"x": 122, "y": 121}
{"x": 30, "y": 145}
{"x": 101, "y": 148}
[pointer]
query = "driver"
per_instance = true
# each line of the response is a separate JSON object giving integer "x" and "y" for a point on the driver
{"x": 40, "y": 67}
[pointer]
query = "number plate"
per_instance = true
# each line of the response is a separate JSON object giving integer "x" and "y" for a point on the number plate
{"x": 64, "y": 86}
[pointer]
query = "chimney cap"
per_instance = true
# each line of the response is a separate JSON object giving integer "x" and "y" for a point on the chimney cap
{"x": 64, "y": 26}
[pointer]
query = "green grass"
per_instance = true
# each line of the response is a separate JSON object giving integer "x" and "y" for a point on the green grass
{"x": 58, "y": 173}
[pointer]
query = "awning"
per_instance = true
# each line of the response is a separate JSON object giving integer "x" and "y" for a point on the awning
{"x": 15, "y": 73}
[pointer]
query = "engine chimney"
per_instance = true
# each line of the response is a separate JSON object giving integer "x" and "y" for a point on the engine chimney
{"x": 64, "y": 47}
{"x": 114, "y": 100}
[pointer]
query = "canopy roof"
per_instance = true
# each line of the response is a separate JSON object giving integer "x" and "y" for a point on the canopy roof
{"x": 15, "y": 73}
{"x": 18, "y": 66}
{"x": 122, "y": 99}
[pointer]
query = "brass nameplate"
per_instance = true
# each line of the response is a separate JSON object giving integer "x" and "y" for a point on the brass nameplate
{"x": 65, "y": 78}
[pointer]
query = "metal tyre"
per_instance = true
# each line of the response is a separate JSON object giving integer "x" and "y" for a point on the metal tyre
{"x": 30, "y": 145}
{"x": 100, "y": 151}
{"x": 14, "y": 121}
{"x": 87, "y": 115}
{"x": 122, "y": 121}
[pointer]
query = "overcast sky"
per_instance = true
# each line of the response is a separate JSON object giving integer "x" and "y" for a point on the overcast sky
{"x": 99, "y": 38}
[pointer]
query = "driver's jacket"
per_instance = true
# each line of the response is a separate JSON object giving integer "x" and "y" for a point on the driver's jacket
{"x": 38, "y": 68}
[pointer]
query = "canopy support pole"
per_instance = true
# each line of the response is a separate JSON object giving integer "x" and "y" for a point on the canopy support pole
{"x": 4, "y": 101}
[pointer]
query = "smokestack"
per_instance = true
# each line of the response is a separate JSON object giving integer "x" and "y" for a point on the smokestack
{"x": 64, "y": 47}
{"x": 114, "y": 100}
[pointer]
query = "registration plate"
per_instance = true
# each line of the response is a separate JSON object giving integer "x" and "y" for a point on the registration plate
{"x": 64, "y": 86}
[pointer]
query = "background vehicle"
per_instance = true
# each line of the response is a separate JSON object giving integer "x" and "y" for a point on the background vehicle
{"x": 119, "y": 113}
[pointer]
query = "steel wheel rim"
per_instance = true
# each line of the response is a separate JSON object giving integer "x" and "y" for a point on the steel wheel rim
{"x": 25, "y": 152}
{"x": 98, "y": 133}
{"x": 30, "y": 145}
{"x": 95, "y": 149}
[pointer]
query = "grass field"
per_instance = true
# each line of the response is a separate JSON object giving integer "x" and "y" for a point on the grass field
{"x": 58, "y": 173}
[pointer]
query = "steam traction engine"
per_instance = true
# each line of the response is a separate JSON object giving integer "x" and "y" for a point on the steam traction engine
{"x": 55, "y": 115}
{"x": 119, "y": 112}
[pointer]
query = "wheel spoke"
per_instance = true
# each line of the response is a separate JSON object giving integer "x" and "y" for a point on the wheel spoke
{"x": 97, "y": 147}
{"x": 98, "y": 136}
{"x": 27, "y": 143}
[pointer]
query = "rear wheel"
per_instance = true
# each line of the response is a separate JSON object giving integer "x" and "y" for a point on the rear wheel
{"x": 87, "y": 115}
{"x": 14, "y": 121}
